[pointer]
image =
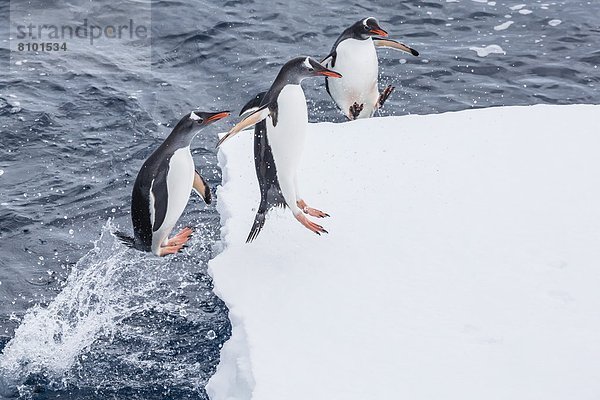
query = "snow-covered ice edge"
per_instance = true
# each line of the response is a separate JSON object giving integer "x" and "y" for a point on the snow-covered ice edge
{"x": 462, "y": 262}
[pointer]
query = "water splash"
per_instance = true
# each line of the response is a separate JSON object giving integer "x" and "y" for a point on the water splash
{"x": 120, "y": 307}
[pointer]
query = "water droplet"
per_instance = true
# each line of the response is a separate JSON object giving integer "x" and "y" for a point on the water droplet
{"x": 113, "y": 210}
{"x": 71, "y": 231}
{"x": 41, "y": 258}
{"x": 1, "y": 172}
{"x": 211, "y": 335}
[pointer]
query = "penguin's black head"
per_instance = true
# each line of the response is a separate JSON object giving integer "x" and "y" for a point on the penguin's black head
{"x": 202, "y": 118}
{"x": 305, "y": 67}
{"x": 365, "y": 28}
{"x": 194, "y": 121}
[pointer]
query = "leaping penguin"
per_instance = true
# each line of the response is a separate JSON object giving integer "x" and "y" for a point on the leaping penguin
{"x": 281, "y": 118}
{"x": 163, "y": 186}
{"x": 354, "y": 56}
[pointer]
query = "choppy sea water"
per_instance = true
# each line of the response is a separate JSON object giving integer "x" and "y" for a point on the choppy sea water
{"x": 83, "y": 317}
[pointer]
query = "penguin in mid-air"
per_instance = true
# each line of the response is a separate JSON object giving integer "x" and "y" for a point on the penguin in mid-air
{"x": 354, "y": 56}
{"x": 281, "y": 118}
{"x": 163, "y": 186}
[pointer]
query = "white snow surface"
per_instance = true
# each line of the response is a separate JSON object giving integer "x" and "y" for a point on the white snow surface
{"x": 462, "y": 262}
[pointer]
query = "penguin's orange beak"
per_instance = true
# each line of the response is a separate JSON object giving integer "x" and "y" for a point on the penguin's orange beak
{"x": 217, "y": 116}
{"x": 319, "y": 69}
{"x": 379, "y": 32}
{"x": 330, "y": 73}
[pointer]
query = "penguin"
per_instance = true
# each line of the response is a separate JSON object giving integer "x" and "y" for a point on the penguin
{"x": 281, "y": 118}
{"x": 163, "y": 186}
{"x": 354, "y": 56}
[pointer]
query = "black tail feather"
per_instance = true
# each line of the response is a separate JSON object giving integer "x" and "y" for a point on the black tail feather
{"x": 125, "y": 239}
{"x": 266, "y": 173}
{"x": 259, "y": 222}
{"x": 259, "y": 219}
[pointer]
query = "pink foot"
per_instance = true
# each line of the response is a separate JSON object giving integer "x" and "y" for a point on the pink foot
{"x": 181, "y": 238}
{"x": 316, "y": 228}
{"x": 384, "y": 95}
{"x": 166, "y": 250}
{"x": 355, "y": 110}
{"x": 313, "y": 212}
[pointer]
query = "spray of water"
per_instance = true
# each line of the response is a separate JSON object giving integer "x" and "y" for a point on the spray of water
{"x": 113, "y": 309}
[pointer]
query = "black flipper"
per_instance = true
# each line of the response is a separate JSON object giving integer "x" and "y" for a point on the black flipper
{"x": 201, "y": 187}
{"x": 393, "y": 44}
{"x": 331, "y": 56}
{"x": 274, "y": 109}
{"x": 140, "y": 209}
{"x": 161, "y": 196}
{"x": 125, "y": 239}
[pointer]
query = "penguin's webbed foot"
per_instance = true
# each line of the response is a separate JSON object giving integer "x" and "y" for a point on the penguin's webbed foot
{"x": 316, "y": 228}
{"x": 166, "y": 250}
{"x": 313, "y": 212}
{"x": 181, "y": 238}
{"x": 384, "y": 95}
{"x": 355, "y": 110}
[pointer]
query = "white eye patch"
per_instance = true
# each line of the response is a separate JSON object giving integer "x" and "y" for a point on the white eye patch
{"x": 307, "y": 63}
{"x": 367, "y": 20}
{"x": 194, "y": 117}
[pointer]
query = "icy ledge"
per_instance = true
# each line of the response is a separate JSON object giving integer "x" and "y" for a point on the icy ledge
{"x": 462, "y": 262}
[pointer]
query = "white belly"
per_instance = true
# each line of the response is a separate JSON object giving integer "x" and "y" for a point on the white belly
{"x": 357, "y": 61}
{"x": 180, "y": 179}
{"x": 287, "y": 138}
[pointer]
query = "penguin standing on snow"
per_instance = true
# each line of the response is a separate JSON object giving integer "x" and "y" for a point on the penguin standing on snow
{"x": 281, "y": 118}
{"x": 354, "y": 56}
{"x": 163, "y": 186}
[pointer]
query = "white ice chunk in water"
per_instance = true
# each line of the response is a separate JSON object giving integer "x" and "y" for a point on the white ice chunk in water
{"x": 518, "y": 7}
{"x": 503, "y": 25}
{"x": 487, "y": 50}
{"x": 525, "y": 12}
{"x": 554, "y": 22}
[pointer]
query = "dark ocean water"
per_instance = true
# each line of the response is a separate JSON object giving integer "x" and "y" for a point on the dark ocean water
{"x": 82, "y": 317}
